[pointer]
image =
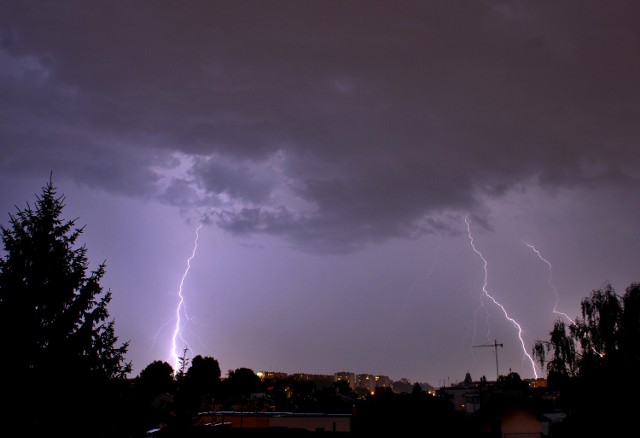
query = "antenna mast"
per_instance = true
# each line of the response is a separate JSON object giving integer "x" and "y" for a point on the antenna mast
{"x": 495, "y": 346}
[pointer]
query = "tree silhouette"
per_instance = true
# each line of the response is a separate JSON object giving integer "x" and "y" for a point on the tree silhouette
{"x": 196, "y": 389}
{"x": 155, "y": 387}
{"x": 605, "y": 338}
{"x": 156, "y": 378}
{"x": 594, "y": 361}
{"x": 183, "y": 364}
{"x": 53, "y": 315}
{"x": 238, "y": 386}
{"x": 203, "y": 376}
{"x": 389, "y": 413}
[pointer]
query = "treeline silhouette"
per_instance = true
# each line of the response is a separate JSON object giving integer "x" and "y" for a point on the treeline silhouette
{"x": 65, "y": 373}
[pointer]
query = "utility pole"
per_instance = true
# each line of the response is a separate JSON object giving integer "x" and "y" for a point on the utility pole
{"x": 495, "y": 346}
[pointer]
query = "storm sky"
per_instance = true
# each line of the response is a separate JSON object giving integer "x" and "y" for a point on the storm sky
{"x": 332, "y": 151}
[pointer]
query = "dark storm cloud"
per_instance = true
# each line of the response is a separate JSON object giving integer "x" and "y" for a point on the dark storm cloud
{"x": 389, "y": 116}
{"x": 237, "y": 181}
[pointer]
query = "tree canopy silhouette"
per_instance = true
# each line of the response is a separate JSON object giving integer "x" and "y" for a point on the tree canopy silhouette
{"x": 156, "y": 378}
{"x": 594, "y": 361}
{"x": 54, "y": 319}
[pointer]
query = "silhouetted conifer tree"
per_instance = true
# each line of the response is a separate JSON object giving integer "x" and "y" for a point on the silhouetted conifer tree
{"x": 54, "y": 319}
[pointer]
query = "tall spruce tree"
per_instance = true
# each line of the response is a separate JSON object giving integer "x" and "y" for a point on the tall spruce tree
{"x": 54, "y": 322}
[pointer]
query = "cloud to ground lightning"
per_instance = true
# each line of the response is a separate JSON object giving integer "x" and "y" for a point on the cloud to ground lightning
{"x": 555, "y": 290}
{"x": 504, "y": 311}
{"x": 569, "y": 319}
{"x": 181, "y": 309}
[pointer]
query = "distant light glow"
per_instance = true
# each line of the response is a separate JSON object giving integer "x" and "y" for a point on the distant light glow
{"x": 504, "y": 311}
{"x": 182, "y": 309}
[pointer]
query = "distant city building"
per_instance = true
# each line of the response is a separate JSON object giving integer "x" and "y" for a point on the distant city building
{"x": 272, "y": 375}
{"x": 350, "y": 378}
{"x": 464, "y": 395}
{"x": 310, "y": 377}
{"x": 464, "y": 398}
{"x": 370, "y": 382}
{"x": 383, "y": 382}
{"x": 320, "y": 380}
{"x": 366, "y": 381}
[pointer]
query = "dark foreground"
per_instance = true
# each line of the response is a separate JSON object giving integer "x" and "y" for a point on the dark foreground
{"x": 275, "y": 432}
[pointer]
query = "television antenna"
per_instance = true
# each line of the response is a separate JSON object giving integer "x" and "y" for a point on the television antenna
{"x": 495, "y": 346}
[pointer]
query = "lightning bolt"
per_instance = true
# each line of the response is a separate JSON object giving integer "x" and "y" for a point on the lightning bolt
{"x": 533, "y": 248}
{"x": 181, "y": 308}
{"x": 555, "y": 290}
{"x": 504, "y": 311}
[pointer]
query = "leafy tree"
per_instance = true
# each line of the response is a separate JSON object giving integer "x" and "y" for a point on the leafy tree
{"x": 605, "y": 338}
{"x": 203, "y": 376}
{"x": 238, "y": 386}
{"x": 243, "y": 381}
{"x": 156, "y": 378}
{"x": 155, "y": 386}
{"x": 198, "y": 385}
{"x": 53, "y": 314}
{"x": 594, "y": 361}
{"x": 511, "y": 381}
